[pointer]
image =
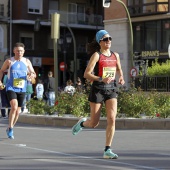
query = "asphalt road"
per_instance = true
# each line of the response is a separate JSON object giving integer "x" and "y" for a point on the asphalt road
{"x": 50, "y": 148}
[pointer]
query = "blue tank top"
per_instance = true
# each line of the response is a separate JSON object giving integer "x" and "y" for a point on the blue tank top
{"x": 17, "y": 75}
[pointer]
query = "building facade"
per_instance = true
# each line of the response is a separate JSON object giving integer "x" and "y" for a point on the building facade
{"x": 150, "y": 24}
{"x": 31, "y": 24}
{"x": 3, "y": 29}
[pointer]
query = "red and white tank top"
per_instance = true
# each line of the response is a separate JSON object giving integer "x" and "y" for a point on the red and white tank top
{"x": 106, "y": 66}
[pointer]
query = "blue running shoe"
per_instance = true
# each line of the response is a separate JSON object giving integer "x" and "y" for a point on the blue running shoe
{"x": 9, "y": 132}
{"x": 77, "y": 128}
{"x": 110, "y": 155}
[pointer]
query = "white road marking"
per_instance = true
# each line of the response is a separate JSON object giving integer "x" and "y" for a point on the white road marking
{"x": 21, "y": 145}
{"x": 84, "y": 157}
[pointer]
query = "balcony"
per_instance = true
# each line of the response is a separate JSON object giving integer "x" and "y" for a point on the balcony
{"x": 79, "y": 19}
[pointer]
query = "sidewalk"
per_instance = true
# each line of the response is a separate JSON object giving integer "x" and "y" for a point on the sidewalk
{"x": 121, "y": 123}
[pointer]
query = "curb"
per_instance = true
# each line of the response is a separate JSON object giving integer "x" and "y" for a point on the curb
{"x": 121, "y": 123}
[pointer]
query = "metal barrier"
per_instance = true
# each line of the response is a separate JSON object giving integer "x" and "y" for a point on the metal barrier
{"x": 147, "y": 83}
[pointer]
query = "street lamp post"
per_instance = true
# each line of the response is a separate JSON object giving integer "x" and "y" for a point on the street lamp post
{"x": 64, "y": 41}
{"x": 75, "y": 51}
{"x": 131, "y": 30}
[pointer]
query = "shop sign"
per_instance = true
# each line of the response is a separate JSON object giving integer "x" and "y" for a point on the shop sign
{"x": 154, "y": 54}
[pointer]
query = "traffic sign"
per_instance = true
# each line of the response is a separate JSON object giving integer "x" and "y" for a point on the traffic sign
{"x": 63, "y": 66}
{"x": 133, "y": 72}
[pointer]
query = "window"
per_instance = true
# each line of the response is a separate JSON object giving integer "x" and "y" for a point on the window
{"x": 162, "y": 7}
{"x": 76, "y": 13}
{"x": 166, "y": 34}
{"x": 138, "y": 29}
{"x": 53, "y": 7}
{"x": 151, "y": 35}
{"x": 1, "y": 9}
{"x": 81, "y": 13}
{"x": 132, "y": 2}
{"x": 35, "y": 6}
{"x": 148, "y": 1}
{"x": 147, "y": 7}
{"x": 159, "y": 35}
{"x": 28, "y": 40}
{"x": 72, "y": 8}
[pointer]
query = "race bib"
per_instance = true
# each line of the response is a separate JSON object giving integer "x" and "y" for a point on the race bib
{"x": 109, "y": 72}
{"x": 19, "y": 83}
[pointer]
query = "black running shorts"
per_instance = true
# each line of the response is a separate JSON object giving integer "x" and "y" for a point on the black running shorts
{"x": 100, "y": 95}
{"x": 16, "y": 95}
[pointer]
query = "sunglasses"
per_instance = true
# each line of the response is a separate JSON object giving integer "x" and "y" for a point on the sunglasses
{"x": 106, "y": 39}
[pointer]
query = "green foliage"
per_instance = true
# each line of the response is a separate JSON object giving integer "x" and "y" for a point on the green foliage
{"x": 36, "y": 106}
{"x": 76, "y": 104}
{"x": 40, "y": 107}
{"x": 162, "y": 103}
{"x": 132, "y": 103}
{"x": 135, "y": 102}
{"x": 158, "y": 69}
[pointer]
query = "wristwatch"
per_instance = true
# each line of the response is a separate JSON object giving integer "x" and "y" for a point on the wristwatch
{"x": 100, "y": 79}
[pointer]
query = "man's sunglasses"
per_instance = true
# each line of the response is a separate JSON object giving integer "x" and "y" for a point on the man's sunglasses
{"x": 106, "y": 39}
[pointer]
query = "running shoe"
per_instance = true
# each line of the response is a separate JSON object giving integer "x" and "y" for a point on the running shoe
{"x": 9, "y": 132}
{"x": 110, "y": 155}
{"x": 77, "y": 128}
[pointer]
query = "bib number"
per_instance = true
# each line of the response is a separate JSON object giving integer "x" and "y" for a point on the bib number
{"x": 19, "y": 83}
{"x": 109, "y": 72}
